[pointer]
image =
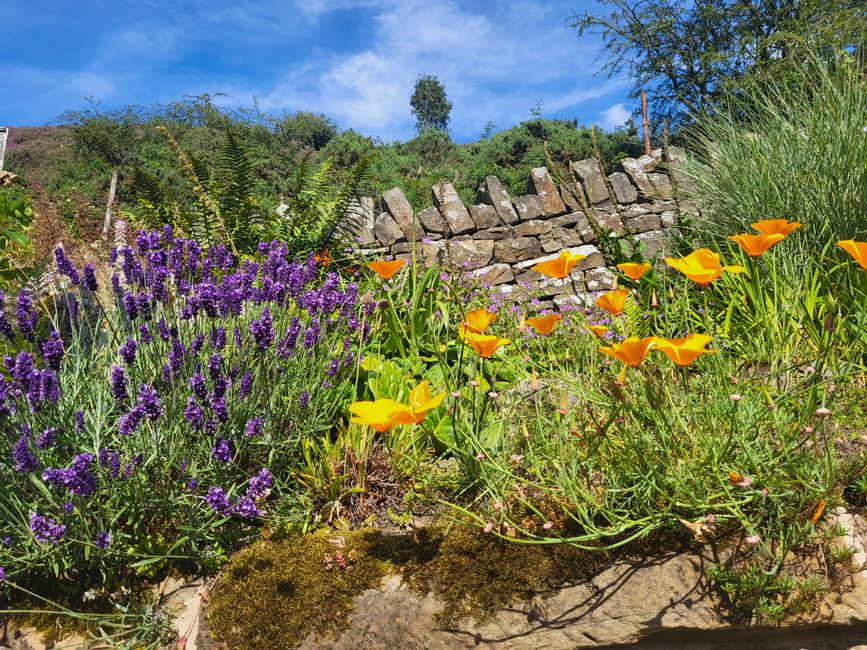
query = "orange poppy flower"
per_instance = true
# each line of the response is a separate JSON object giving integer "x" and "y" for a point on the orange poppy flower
{"x": 684, "y": 351}
{"x": 560, "y": 266}
{"x": 484, "y": 344}
{"x": 631, "y": 351}
{"x": 382, "y": 414}
{"x": 701, "y": 266}
{"x": 613, "y": 301}
{"x": 756, "y": 245}
{"x": 598, "y": 330}
{"x": 420, "y": 401}
{"x": 479, "y": 320}
{"x": 775, "y": 226}
{"x": 322, "y": 258}
{"x": 735, "y": 478}
{"x": 820, "y": 509}
{"x": 633, "y": 271}
{"x": 857, "y": 249}
{"x": 543, "y": 324}
{"x": 385, "y": 269}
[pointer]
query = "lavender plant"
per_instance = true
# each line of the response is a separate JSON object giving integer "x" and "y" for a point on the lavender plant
{"x": 162, "y": 419}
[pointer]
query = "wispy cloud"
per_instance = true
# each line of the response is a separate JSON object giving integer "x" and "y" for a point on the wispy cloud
{"x": 614, "y": 116}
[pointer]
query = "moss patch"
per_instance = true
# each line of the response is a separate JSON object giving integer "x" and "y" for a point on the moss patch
{"x": 276, "y": 594}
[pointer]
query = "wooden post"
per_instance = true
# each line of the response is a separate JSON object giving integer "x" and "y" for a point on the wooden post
{"x": 645, "y": 124}
{"x": 4, "y": 131}
{"x": 111, "y": 194}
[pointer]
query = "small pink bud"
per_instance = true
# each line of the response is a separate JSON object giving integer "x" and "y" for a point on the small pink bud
{"x": 493, "y": 394}
{"x": 548, "y": 525}
{"x": 823, "y": 411}
{"x": 498, "y": 506}
{"x": 711, "y": 518}
{"x": 488, "y": 528}
{"x": 474, "y": 383}
{"x": 752, "y": 539}
{"x": 764, "y": 492}
{"x": 562, "y": 411}
{"x": 747, "y": 482}
{"x": 735, "y": 397}
{"x": 771, "y": 406}
{"x": 808, "y": 429}
{"x": 480, "y": 456}
{"x": 456, "y": 393}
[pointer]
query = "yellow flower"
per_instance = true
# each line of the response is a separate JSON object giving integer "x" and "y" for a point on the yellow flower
{"x": 633, "y": 271}
{"x": 560, "y": 266}
{"x": 701, "y": 266}
{"x": 479, "y": 320}
{"x": 631, "y": 351}
{"x": 420, "y": 401}
{"x": 483, "y": 344}
{"x": 598, "y": 330}
{"x": 385, "y": 269}
{"x": 382, "y": 414}
{"x": 684, "y": 351}
{"x": 543, "y": 324}
{"x": 857, "y": 249}
{"x": 756, "y": 245}
{"x": 775, "y": 226}
{"x": 820, "y": 509}
{"x": 613, "y": 301}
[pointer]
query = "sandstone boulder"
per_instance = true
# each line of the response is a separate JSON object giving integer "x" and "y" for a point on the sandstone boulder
{"x": 541, "y": 185}
{"x": 590, "y": 173}
{"x": 449, "y": 203}
{"x": 493, "y": 193}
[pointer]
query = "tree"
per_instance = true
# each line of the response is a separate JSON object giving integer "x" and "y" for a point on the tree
{"x": 687, "y": 54}
{"x": 429, "y": 103}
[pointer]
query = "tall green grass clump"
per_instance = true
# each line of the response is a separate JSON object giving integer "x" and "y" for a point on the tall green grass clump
{"x": 794, "y": 147}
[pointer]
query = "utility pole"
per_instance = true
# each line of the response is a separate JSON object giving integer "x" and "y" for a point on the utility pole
{"x": 645, "y": 124}
{"x": 4, "y": 132}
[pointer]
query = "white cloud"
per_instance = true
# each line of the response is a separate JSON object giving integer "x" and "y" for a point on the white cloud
{"x": 614, "y": 116}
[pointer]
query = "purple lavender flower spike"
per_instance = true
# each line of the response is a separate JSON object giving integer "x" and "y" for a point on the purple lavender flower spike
{"x": 89, "y": 274}
{"x": 119, "y": 383}
{"x": 222, "y": 451}
{"x": 79, "y": 421}
{"x": 65, "y": 267}
{"x": 46, "y": 439}
{"x": 246, "y": 509}
{"x": 103, "y": 540}
{"x": 52, "y": 351}
{"x": 127, "y": 350}
{"x": 260, "y": 485}
{"x": 26, "y": 315}
{"x": 23, "y": 459}
{"x": 46, "y": 529}
{"x": 253, "y": 427}
{"x": 77, "y": 478}
{"x": 217, "y": 499}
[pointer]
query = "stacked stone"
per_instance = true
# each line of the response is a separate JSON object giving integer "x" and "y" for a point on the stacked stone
{"x": 498, "y": 239}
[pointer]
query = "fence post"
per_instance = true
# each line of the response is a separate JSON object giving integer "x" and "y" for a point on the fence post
{"x": 4, "y": 132}
{"x": 111, "y": 194}
{"x": 645, "y": 123}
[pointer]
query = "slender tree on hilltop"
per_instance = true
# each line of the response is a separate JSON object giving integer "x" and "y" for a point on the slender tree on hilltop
{"x": 429, "y": 103}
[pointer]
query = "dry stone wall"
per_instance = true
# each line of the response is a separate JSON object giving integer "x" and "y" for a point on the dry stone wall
{"x": 499, "y": 238}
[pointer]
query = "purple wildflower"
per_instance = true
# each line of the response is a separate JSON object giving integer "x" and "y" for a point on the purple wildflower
{"x": 67, "y": 507}
{"x": 2, "y": 574}
{"x": 103, "y": 539}
{"x": 260, "y": 485}
{"x": 262, "y": 330}
{"x": 149, "y": 402}
{"x": 244, "y": 387}
{"x": 52, "y": 351}
{"x": 128, "y": 350}
{"x": 129, "y": 422}
{"x": 46, "y": 439}
{"x": 46, "y": 529}
{"x": 89, "y": 282}
{"x": 214, "y": 365}
{"x": 222, "y": 451}
{"x": 119, "y": 383}
{"x": 217, "y": 499}
{"x": 253, "y": 427}
{"x": 77, "y": 478}
{"x": 145, "y": 333}
{"x": 198, "y": 386}
{"x": 303, "y": 399}
{"x": 26, "y": 315}
{"x": 79, "y": 421}
{"x": 221, "y": 411}
{"x": 193, "y": 414}
{"x": 246, "y": 509}
{"x": 65, "y": 267}
{"x": 23, "y": 459}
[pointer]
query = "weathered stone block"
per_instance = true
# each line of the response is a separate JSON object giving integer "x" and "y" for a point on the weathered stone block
{"x": 449, "y": 203}
{"x": 497, "y": 232}
{"x": 624, "y": 191}
{"x": 386, "y": 230}
{"x": 661, "y": 185}
{"x": 493, "y": 193}
{"x": 426, "y": 253}
{"x": 569, "y": 219}
{"x": 528, "y": 207}
{"x": 668, "y": 219}
{"x": 396, "y": 204}
{"x": 658, "y": 207}
{"x": 494, "y": 274}
{"x": 516, "y": 249}
{"x": 655, "y": 242}
{"x": 643, "y": 223}
{"x": 573, "y": 196}
{"x": 541, "y": 184}
{"x": 608, "y": 221}
{"x": 358, "y": 224}
{"x": 484, "y": 216}
{"x": 432, "y": 221}
{"x": 568, "y": 237}
{"x": 636, "y": 172}
{"x": 470, "y": 254}
{"x": 648, "y": 162}
{"x": 599, "y": 279}
{"x": 590, "y": 173}
{"x": 533, "y": 228}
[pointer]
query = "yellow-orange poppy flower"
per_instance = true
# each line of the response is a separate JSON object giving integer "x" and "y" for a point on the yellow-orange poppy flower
{"x": 633, "y": 271}
{"x": 386, "y": 268}
{"x": 684, "y": 351}
{"x": 857, "y": 249}
{"x": 382, "y": 414}
{"x": 613, "y": 301}
{"x": 484, "y": 344}
{"x": 756, "y": 245}
{"x": 560, "y": 266}
{"x": 735, "y": 478}
{"x": 479, "y": 320}
{"x": 775, "y": 226}
{"x": 420, "y": 401}
{"x": 817, "y": 513}
{"x": 543, "y": 324}
{"x": 631, "y": 351}
{"x": 701, "y": 266}
{"x": 598, "y": 330}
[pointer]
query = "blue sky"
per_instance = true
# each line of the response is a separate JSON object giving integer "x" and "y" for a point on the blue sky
{"x": 354, "y": 60}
